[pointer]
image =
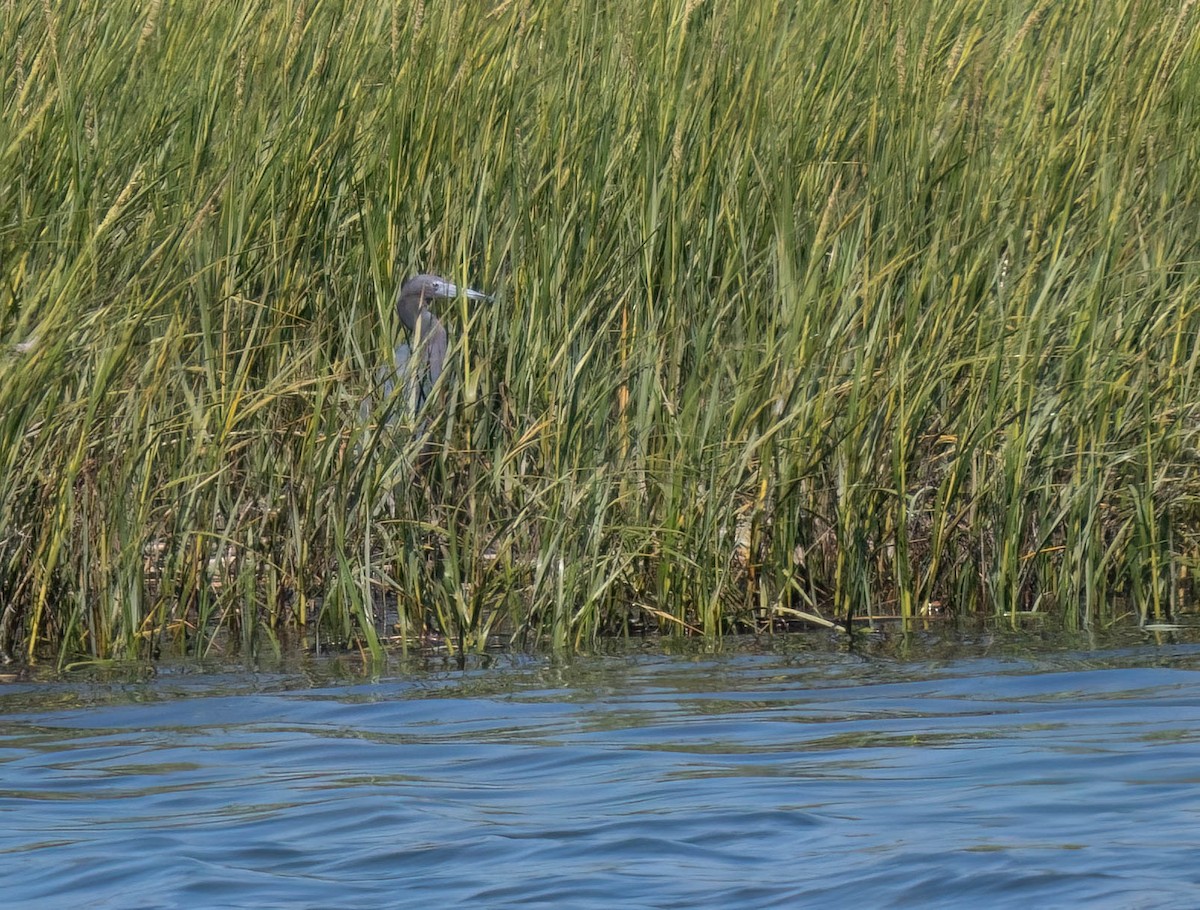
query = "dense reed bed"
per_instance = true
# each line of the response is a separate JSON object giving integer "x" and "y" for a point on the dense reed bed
{"x": 803, "y": 310}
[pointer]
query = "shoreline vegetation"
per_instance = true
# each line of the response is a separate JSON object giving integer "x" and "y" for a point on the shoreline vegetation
{"x": 804, "y": 312}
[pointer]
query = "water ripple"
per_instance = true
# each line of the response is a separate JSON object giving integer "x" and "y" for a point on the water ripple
{"x": 743, "y": 781}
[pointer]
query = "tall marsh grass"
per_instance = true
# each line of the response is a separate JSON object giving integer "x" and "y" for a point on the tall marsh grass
{"x": 819, "y": 310}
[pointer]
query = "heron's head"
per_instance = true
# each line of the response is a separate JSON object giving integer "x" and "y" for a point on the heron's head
{"x": 416, "y": 293}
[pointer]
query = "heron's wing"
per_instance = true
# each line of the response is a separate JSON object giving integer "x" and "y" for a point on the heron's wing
{"x": 378, "y": 404}
{"x": 401, "y": 357}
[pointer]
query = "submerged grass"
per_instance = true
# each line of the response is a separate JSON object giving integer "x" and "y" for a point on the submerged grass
{"x": 831, "y": 310}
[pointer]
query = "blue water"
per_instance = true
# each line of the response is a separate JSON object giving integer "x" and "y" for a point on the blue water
{"x": 799, "y": 775}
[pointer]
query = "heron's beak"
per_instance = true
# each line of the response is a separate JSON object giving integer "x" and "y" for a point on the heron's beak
{"x": 449, "y": 289}
{"x": 471, "y": 294}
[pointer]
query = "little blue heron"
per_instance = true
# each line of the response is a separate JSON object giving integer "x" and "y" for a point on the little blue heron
{"x": 426, "y": 336}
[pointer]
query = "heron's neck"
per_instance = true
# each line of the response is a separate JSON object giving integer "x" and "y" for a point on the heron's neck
{"x": 410, "y": 311}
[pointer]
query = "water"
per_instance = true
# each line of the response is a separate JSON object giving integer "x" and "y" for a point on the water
{"x": 803, "y": 774}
